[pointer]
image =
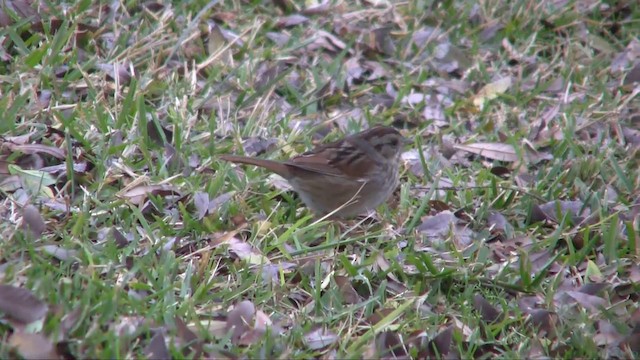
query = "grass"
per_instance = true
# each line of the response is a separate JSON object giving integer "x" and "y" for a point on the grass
{"x": 158, "y": 249}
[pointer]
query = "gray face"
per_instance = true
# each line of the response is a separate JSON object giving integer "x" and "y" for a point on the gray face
{"x": 393, "y": 146}
{"x": 390, "y": 145}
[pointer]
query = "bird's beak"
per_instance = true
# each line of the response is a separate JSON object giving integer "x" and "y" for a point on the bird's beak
{"x": 407, "y": 141}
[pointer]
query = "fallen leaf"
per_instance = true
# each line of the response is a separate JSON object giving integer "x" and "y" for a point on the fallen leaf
{"x": 32, "y": 346}
{"x": 240, "y": 320}
{"x": 21, "y": 305}
{"x": 118, "y": 72}
{"x": 119, "y": 238}
{"x": 242, "y": 249}
{"x": 497, "y": 221}
{"x": 389, "y": 345}
{"x": 607, "y": 334}
{"x": 33, "y": 221}
{"x": 138, "y": 194}
{"x": 157, "y": 348}
{"x": 494, "y": 151}
{"x": 439, "y": 345}
{"x": 488, "y": 312}
{"x": 60, "y": 253}
{"x": 291, "y": 20}
{"x": 591, "y": 302}
{"x": 349, "y": 294}
{"x": 36, "y": 149}
{"x": 158, "y": 133}
{"x": 35, "y": 181}
{"x": 544, "y": 322}
{"x": 440, "y": 227}
{"x": 219, "y": 200}
{"x": 319, "y": 338}
{"x": 70, "y": 320}
{"x": 192, "y": 344}
{"x": 558, "y": 209}
{"x": 491, "y": 91}
{"x": 218, "y": 47}
{"x": 201, "y": 202}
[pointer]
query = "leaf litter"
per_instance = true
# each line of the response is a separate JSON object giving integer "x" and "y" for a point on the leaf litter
{"x": 513, "y": 142}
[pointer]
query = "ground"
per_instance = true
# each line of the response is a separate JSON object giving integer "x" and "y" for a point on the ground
{"x": 513, "y": 233}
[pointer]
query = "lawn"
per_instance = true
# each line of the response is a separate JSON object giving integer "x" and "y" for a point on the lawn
{"x": 513, "y": 233}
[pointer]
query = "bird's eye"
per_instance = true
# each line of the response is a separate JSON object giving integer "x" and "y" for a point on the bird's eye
{"x": 393, "y": 142}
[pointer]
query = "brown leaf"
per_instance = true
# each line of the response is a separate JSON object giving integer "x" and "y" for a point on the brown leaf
{"x": 258, "y": 330}
{"x": 544, "y": 321}
{"x": 286, "y": 6}
{"x": 118, "y": 72}
{"x": 379, "y": 40}
{"x": 632, "y": 341}
{"x": 138, "y": 194}
{"x": 319, "y": 338}
{"x": 128, "y": 325}
{"x": 317, "y": 8}
{"x": 271, "y": 272}
{"x": 33, "y": 221}
{"x": 219, "y": 200}
{"x": 556, "y": 210}
{"x": 389, "y": 345}
{"x": 32, "y": 346}
{"x": 497, "y": 221}
{"x": 631, "y": 136}
{"x": 607, "y": 334}
{"x": 188, "y": 338}
{"x": 152, "y": 6}
{"x": 349, "y": 294}
{"x": 240, "y": 320}
{"x": 591, "y": 302}
{"x": 216, "y": 327}
{"x": 632, "y": 79}
{"x": 501, "y": 171}
{"x": 267, "y": 76}
{"x": 63, "y": 349}
{"x": 593, "y": 288}
{"x": 439, "y": 345}
{"x": 626, "y": 58}
{"x": 326, "y": 41}
{"x": 291, "y": 20}
{"x": 159, "y": 134}
{"x": 157, "y": 348}
{"x": 205, "y": 206}
{"x": 35, "y": 149}
{"x": 70, "y": 320}
{"x": 59, "y": 252}
{"x": 217, "y": 47}
{"x": 494, "y": 151}
{"x": 534, "y": 156}
{"x": 378, "y": 316}
{"x": 488, "y": 312}
{"x": 256, "y": 146}
{"x": 450, "y": 59}
{"x": 279, "y": 39}
{"x": 439, "y": 227}
{"x": 78, "y": 167}
{"x": 491, "y": 91}
{"x": 120, "y": 239}
{"x": 201, "y": 202}
{"x": 22, "y": 8}
{"x": 21, "y": 305}
{"x": 241, "y": 249}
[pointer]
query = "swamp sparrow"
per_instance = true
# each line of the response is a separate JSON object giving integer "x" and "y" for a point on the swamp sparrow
{"x": 345, "y": 178}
